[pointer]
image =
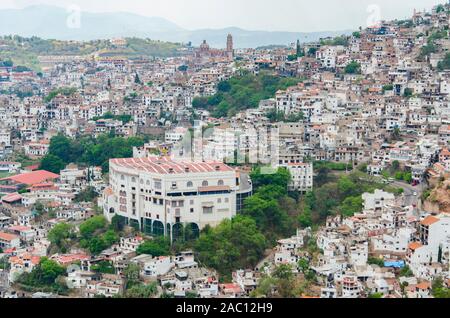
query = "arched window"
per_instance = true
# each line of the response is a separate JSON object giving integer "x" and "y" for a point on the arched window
{"x": 190, "y": 184}
{"x": 122, "y": 177}
{"x": 205, "y": 183}
{"x": 148, "y": 182}
{"x": 133, "y": 180}
{"x": 220, "y": 183}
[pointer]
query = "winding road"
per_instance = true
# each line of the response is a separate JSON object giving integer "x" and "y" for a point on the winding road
{"x": 409, "y": 191}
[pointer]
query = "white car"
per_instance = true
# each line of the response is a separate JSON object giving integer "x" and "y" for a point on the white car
{"x": 415, "y": 193}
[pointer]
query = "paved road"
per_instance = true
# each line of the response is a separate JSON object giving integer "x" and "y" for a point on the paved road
{"x": 408, "y": 194}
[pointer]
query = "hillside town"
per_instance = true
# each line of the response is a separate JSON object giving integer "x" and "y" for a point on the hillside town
{"x": 314, "y": 170}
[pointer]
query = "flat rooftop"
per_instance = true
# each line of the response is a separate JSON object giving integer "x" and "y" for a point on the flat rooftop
{"x": 165, "y": 165}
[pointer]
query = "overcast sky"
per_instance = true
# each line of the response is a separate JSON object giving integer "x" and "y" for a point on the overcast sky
{"x": 270, "y": 15}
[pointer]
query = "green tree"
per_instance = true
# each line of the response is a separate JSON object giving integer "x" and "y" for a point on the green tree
{"x": 388, "y": 87}
{"x": 104, "y": 267}
{"x": 305, "y": 218}
{"x": 90, "y": 226}
{"x": 312, "y": 52}
{"x": 408, "y": 92}
{"x": 159, "y": 246}
{"x": 440, "y": 8}
{"x": 132, "y": 275}
{"x": 322, "y": 177}
{"x": 87, "y": 195}
{"x": 285, "y": 281}
{"x": 52, "y": 163}
{"x": 110, "y": 237}
{"x": 183, "y": 68}
{"x": 438, "y": 290}
{"x": 142, "y": 291}
{"x": 280, "y": 178}
{"x": 303, "y": 265}
{"x": 60, "y": 235}
{"x": 375, "y": 261}
{"x": 224, "y": 86}
{"x": 406, "y": 272}
{"x": 353, "y": 68}
{"x": 43, "y": 274}
{"x": 117, "y": 223}
{"x": 445, "y": 63}
{"x": 233, "y": 244}
{"x": 351, "y": 206}
{"x": 242, "y": 92}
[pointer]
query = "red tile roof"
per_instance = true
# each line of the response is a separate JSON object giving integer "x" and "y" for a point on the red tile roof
{"x": 415, "y": 245}
{"x": 7, "y": 236}
{"x": 32, "y": 167}
{"x": 12, "y": 197}
{"x": 164, "y": 165}
{"x": 423, "y": 285}
{"x": 19, "y": 228}
{"x": 70, "y": 258}
{"x": 429, "y": 220}
{"x": 32, "y": 178}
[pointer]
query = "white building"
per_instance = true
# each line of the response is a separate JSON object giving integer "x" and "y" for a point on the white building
{"x": 10, "y": 167}
{"x": 9, "y": 240}
{"x": 175, "y": 135}
{"x": 158, "y": 266}
{"x": 159, "y": 195}
{"x": 302, "y": 175}
{"x": 378, "y": 200}
{"x": 130, "y": 244}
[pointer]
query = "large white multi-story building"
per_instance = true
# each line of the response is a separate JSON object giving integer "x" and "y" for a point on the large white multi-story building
{"x": 302, "y": 175}
{"x": 161, "y": 195}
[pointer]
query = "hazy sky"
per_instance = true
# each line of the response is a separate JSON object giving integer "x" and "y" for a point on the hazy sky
{"x": 282, "y": 15}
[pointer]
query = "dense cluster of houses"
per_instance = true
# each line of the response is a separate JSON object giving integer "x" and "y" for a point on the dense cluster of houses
{"x": 376, "y": 100}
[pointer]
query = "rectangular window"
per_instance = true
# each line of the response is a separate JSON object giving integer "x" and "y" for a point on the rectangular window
{"x": 207, "y": 210}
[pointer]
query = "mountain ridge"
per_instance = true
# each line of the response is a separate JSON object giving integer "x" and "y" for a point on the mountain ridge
{"x": 50, "y": 22}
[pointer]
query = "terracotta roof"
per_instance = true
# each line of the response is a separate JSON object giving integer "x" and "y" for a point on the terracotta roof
{"x": 32, "y": 167}
{"x": 108, "y": 192}
{"x": 164, "y": 165}
{"x": 414, "y": 245}
{"x": 429, "y": 220}
{"x": 32, "y": 178}
{"x": 12, "y": 197}
{"x": 7, "y": 236}
{"x": 19, "y": 228}
{"x": 423, "y": 285}
{"x": 231, "y": 287}
{"x": 70, "y": 258}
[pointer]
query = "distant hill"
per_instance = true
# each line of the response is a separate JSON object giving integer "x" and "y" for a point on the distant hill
{"x": 26, "y": 50}
{"x": 51, "y": 23}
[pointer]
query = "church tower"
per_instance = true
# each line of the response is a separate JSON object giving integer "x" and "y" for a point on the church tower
{"x": 230, "y": 50}
{"x": 298, "y": 49}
